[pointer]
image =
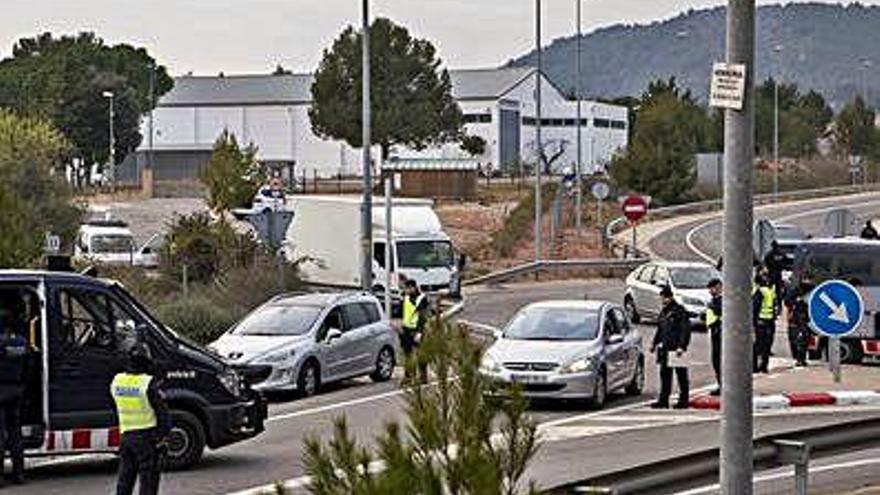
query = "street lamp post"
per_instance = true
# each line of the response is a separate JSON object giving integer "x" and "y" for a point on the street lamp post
{"x": 776, "y": 49}
{"x": 367, "y": 203}
{"x": 538, "y": 144}
{"x": 112, "y": 164}
{"x": 578, "y": 164}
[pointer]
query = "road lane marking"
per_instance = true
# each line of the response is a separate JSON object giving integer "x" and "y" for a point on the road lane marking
{"x": 787, "y": 473}
{"x": 335, "y": 405}
{"x": 689, "y": 240}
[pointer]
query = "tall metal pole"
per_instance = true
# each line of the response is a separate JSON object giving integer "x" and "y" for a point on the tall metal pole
{"x": 388, "y": 245}
{"x": 578, "y": 167}
{"x": 150, "y": 121}
{"x": 539, "y": 147}
{"x": 112, "y": 142}
{"x": 737, "y": 421}
{"x": 775, "y": 141}
{"x": 367, "y": 203}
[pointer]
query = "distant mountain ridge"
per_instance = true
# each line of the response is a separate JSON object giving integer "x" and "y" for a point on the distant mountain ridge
{"x": 833, "y": 49}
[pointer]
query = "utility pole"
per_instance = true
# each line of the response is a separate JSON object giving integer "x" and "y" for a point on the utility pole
{"x": 539, "y": 147}
{"x": 737, "y": 420}
{"x": 367, "y": 203}
{"x": 111, "y": 172}
{"x": 776, "y": 49}
{"x": 578, "y": 167}
{"x": 150, "y": 125}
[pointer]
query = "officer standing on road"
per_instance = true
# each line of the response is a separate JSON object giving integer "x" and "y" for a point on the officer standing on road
{"x": 13, "y": 354}
{"x": 799, "y": 324}
{"x": 869, "y": 232}
{"x": 775, "y": 263}
{"x": 415, "y": 317}
{"x": 143, "y": 422}
{"x": 673, "y": 336}
{"x": 764, "y": 309}
{"x": 713, "y": 324}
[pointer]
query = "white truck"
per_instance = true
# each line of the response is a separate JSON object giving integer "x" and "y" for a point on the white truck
{"x": 325, "y": 234}
{"x": 111, "y": 242}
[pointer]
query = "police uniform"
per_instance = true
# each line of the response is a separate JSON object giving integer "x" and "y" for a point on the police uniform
{"x": 713, "y": 323}
{"x": 673, "y": 334}
{"x": 764, "y": 307}
{"x": 143, "y": 423}
{"x": 13, "y": 353}
{"x": 413, "y": 322}
{"x": 799, "y": 330}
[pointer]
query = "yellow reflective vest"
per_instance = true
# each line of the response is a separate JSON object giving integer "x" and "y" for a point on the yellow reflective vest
{"x": 132, "y": 403}
{"x": 768, "y": 302}
{"x": 711, "y": 317}
{"x": 411, "y": 312}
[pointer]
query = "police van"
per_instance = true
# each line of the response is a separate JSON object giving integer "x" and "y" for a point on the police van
{"x": 858, "y": 262}
{"x": 79, "y": 330}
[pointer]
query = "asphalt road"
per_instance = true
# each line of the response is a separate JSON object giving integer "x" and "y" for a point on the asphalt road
{"x": 700, "y": 239}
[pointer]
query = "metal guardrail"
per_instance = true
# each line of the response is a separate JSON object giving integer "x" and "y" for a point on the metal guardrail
{"x": 551, "y": 265}
{"x": 620, "y": 224}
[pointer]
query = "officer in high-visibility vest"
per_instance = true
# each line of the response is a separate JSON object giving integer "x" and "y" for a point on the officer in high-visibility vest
{"x": 143, "y": 423}
{"x": 713, "y": 324}
{"x": 415, "y": 316}
{"x": 764, "y": 309}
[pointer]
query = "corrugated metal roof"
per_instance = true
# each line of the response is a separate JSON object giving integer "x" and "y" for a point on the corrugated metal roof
{"x": 430, "y": 164}
{"x": 239, "y": 90}
{"x": 485, "y": 84}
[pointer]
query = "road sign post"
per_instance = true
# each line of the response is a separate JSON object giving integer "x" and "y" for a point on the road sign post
{"x": 836, "y": 310}
{"x": 600, "y": 191}
{"x": 634, "y": 209}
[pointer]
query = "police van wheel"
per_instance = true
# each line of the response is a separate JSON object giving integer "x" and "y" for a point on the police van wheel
{"x": 850, "y": 352}
{"x": 186, "y": 441}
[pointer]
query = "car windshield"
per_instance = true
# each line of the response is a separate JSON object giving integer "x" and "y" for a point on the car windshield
{"x": 425, "y": 254}
{"x": 278, "y": 320}
{"x": 553, "y": 324}
{"x": 693, "y": 277}
{"x": 789, "y": 233}
{"x": 112, "y": 243}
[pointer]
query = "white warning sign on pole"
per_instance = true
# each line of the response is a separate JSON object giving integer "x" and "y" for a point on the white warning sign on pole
{"x": 728, "y": 89}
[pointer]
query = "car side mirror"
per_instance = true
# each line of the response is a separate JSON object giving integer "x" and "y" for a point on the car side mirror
{"x": 614, "y": 338}
{"x": 333, "y": 334}
{"x": 497, "y": 334}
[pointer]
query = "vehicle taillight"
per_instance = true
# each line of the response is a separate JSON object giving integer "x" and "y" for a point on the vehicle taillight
{"x": 871, "y": 347}
{"x": 813, "y": 343}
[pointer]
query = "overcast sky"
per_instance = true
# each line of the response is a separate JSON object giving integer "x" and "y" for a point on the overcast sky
{"x": 245, "y": 36}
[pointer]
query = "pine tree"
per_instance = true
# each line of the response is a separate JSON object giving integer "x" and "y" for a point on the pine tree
{"x": 233, "y": 176}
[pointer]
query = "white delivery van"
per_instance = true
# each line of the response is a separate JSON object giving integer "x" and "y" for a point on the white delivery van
{"x": 325, "y": 233}
{"x": 111, "y": 242}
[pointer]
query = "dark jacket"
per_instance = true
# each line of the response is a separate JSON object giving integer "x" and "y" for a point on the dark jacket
{"x": 775, "y": 262}
{"x": 157, "y": 401}
{"x": 673, "y": 331}
{"x": 13, "y": 354}
{"x": 423, "y": 310}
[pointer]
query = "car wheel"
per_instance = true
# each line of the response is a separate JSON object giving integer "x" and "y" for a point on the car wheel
{"x": 309, "y": 380}
{"x": 638, "y": 382}
{"x": 600, "y": 393}
{"x": 630, "y": 306}
{"x": 384, "y": 365}
{"x": 186, "y": 441}
{"x": 850, "y": 352}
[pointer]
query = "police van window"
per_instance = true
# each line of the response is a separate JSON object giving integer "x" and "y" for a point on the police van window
{"x": 91, "y": 320}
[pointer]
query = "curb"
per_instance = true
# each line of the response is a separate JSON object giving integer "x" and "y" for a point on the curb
{"x": 797, "y": 399}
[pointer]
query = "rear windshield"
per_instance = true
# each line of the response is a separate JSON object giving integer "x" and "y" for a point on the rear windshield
{"x": 827, "y": 263}
{"x": 693, "y": 277}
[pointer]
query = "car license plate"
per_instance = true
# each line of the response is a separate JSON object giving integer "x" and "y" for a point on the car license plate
{"x": 521, "y": 378}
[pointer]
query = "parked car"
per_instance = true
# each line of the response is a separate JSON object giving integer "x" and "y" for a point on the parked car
{"x": 688, "y": 283}
{"x": 301, "y": 342}
{"x": 568, "y": 350}
{"x": 111, "y": 242}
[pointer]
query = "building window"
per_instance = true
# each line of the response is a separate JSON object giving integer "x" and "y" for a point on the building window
{"x": 603, "y": 123}
{"x": 529, "y": 121}
{"x": 477, "y": 118}
{"x": 618, "y": 124}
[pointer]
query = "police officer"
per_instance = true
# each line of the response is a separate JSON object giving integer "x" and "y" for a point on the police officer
{"x": 764, "y": 310}
{"x": 673, "y": 336}
{"x": 143, "y": 422}
{"x": 799, "y": 324}
{"x": 713, "y": 324}
{"x": 775, "y": 262}
{"x": 415, "y": 316}
{"x": 13, "y": 354}
{"x": 869, "y": 232}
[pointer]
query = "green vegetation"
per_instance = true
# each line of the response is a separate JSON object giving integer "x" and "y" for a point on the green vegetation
{"x": 62, "y": 79}
{"x": 803, "y": 119}
{"x": 455, "y": 441}
{"x": 520, "y": 220}
{"x": 855, "y": 132}
{"x": 411, "y": 96}
{"x": 34, "y": 199}
{"x": 233, "y": 176}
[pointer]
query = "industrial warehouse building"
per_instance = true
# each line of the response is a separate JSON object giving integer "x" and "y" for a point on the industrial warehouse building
{"x": 271, "y": 112}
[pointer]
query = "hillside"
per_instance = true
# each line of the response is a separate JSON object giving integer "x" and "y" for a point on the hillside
{"x": 825, "y": 47}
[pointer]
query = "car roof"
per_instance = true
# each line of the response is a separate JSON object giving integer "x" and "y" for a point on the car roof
{"x": 319, "y": 298}
{"x": 39, "y": 275}
{"x": 105, "y": 229}
{"x": 680, "y": 264}
{"x": 587, "y": 304}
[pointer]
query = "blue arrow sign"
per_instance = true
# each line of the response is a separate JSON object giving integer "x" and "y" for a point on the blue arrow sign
{"x": 836, "y": 308}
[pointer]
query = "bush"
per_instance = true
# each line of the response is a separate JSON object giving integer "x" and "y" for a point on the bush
{"x": 520, "y": 220}
{"x": 233, "y": 176}
{"x": 200, "y": 320}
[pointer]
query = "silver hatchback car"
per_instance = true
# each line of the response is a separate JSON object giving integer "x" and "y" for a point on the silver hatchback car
{"x": 297, "y": 343}
{"x": 568, "y": 350}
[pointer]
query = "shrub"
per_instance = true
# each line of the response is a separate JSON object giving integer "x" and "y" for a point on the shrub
{"x": 520, "y": 220}
{"x": 233, "y": 176}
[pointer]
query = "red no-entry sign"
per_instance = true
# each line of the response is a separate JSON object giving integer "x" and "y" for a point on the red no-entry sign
{"x": 634, "y": 208}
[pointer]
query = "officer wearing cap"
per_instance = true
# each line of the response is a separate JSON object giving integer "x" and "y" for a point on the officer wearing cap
{"x": 143, "y": 423}
{"x": 673, "y": 336}
{"x": 713, "y": 324}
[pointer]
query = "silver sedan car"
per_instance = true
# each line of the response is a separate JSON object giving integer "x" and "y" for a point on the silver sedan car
{"x": 568, "y": 350}
{"x": 298, "y": 343}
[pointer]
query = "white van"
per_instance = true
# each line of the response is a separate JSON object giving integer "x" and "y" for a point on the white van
{"x": 325, "y": 232}
{"x": 110, "y": 242}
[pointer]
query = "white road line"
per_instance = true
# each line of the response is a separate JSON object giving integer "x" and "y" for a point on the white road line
{"x": 788, "y": 473}
{"x": 689, "y": 240}
{"x": 335, "y": 405}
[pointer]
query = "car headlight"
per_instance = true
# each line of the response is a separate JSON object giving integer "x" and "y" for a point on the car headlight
{"x": 490, "y": 365}
{"x": 692, "y": 301}
{"x": 578, "y": 366}
{"x": 231, "y": 382}
{"x": 276, "y": 356}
